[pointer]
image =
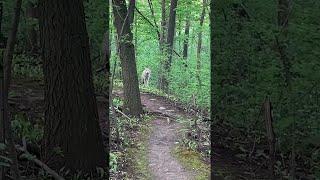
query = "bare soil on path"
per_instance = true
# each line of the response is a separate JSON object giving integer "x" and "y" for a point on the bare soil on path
{"x": 27, "y": 97}
{"x": 163, "y": 138}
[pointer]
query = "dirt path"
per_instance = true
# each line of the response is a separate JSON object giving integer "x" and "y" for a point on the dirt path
{"x": 27, "y": 97}
{"x": 163, "y": 138}
{"x": 162, "y": 163}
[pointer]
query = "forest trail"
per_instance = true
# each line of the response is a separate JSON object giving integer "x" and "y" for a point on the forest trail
{"x": 163, "y": 138}
{"x": 27, "y": 97}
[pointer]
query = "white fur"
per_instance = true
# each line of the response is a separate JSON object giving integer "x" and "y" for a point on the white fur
{"x": 145, "y": 76}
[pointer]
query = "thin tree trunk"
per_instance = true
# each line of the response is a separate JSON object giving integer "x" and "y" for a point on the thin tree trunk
{"x": 132, "y": 5}
{"x": 2, "y": 174}
{"x": 270, "y": 135}
{"x": 169, "y": 44}
{"x": 132, "y": 101}
{"x": 71, "y": 115}
{"x": 7, "y": 63}
{"x": 108, "y": 75}
{"x": 161, "y": 43}
{"x": 200, "y": 43}
{"x": 212, "y": 82}
{"x": 1, "y": 13}
{"x": 155, "y": 24}
{"x": 283, "y": 18}
{"x": 186, "y": 39}
{"x": 163, "y": 21}
{"x": 282, "y": 43}
{"x": 135, "y": 34}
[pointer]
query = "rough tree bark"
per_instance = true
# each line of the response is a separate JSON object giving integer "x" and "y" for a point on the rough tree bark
{"x": 71, "y": 115}
{"x": 7, "y": 64}
{"x": 169, "y": 45}
{"x": 132, "y": 101}
{"x": 203, "y": 13}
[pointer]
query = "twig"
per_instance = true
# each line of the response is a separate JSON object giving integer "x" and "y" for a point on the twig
{"x": 40, "y": 163}
{"x": 116, "y": 109}
{"x": 158, "y": 33}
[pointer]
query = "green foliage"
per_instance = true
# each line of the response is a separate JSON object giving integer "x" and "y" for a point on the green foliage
{"x": 25, "y": 66}
{"x": 24, "y": 129}
{"x": 113, "y": 164}
{"x": 247, "y": 68}
{"x": 183, "y": 83}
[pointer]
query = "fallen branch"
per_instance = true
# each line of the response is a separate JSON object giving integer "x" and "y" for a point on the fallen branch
{"x": 116, "y": 109}
{"x": 38, "y": 162}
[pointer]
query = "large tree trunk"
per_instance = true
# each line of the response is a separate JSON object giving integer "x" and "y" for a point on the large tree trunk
{"x": 200, "y": 43}
{"x": 7, "y": 64}
{"x": 132, "y": 101}
{"x": 169, "y": 44}
{"x": 71, "y": 116}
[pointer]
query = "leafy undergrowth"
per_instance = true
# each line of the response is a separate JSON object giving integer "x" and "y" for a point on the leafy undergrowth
{"x": 139, "y": 160}
{"x": 193, "y": 161}
{"x": 187, "y": 104}
{"x": 193, "y": 150}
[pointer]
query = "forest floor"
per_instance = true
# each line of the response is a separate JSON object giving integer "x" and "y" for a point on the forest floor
{"x": 162, "y": 140}
{"x": 26, "y": 97}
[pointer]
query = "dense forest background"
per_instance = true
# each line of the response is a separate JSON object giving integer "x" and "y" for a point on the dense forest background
{"x": 185, "y": 69}
{"x": 268, "y": 51}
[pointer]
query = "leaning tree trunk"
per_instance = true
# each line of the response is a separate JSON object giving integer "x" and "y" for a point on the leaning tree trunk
{"x": 7, "y": 64}
{"x": 132, "y": 101}
{"x": 71, "y": 116}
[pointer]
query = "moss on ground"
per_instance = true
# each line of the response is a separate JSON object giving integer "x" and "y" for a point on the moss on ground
{"x": 137, "y": 155}
{"x": 192, "y": 161}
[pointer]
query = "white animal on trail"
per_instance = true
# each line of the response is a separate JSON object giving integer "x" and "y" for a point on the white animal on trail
{"x": 145, "y": 76}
